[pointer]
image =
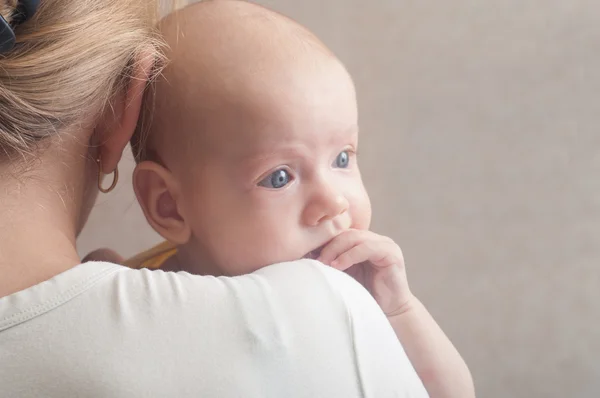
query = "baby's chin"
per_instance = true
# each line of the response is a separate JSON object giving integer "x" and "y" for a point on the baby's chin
{"x": 241, "y": 267}
{"x": 311, "y": 255}
{"x": 315, "y": 253}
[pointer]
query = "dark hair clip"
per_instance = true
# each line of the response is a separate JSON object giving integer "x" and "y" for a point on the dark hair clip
{"x": 25, "y": 10}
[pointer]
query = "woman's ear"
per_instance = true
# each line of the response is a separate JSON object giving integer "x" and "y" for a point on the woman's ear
{"x": 158, "y": 194}
{"x": 116, "y": 126}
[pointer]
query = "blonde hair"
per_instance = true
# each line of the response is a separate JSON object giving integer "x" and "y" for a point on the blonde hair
{"x": 69, "y": 61}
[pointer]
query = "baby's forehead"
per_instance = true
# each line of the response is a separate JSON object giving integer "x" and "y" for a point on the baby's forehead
{"x": 265, "y": 115}
{"x": 263, "y": 141}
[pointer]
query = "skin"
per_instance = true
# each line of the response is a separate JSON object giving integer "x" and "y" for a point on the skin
{"x": 46, "y": 201}
{"x": 253, "y": 146}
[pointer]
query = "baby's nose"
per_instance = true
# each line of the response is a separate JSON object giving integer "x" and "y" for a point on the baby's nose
{"x": 324, "y": 207}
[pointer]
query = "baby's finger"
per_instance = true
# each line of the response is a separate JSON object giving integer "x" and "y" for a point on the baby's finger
{"x": 339, "y": 245}
{"x": 378, "y": 254}
{"x": 366, "y": 251}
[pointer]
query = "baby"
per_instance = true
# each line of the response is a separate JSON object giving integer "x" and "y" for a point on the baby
{"x": 250, "y": 159}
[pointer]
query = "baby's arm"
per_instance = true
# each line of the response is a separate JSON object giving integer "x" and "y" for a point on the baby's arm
{"x": 377, "y": 263}
{"x": 437, "y": 362}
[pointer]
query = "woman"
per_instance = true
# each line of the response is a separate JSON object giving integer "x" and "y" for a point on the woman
{"x": 72, "y": 74}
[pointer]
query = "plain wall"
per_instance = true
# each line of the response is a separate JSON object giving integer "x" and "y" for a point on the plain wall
{"x": 481, "y": 152}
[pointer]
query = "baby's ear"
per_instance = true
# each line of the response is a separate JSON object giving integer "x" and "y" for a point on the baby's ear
{"x": 157, "y": 192}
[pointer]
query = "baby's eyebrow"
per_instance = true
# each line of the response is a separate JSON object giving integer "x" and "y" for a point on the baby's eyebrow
{"x": 285, "y": 150}
{"x": 343, "y": 134}
{"x": 267, "y": 155}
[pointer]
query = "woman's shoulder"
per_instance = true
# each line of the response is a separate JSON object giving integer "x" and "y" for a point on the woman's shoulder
{"x": 306, "y": 277}
{"x": 298, "y": 287}
{"x": 289, "y": 285}
{"x": 110, "y": 296}
{"x": 269, "y": 311}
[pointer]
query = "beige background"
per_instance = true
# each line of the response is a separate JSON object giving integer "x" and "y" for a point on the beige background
{"x": 481, "y": 151}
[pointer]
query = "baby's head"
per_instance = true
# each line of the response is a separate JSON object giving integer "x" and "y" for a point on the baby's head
{"x": 249, "y": 158}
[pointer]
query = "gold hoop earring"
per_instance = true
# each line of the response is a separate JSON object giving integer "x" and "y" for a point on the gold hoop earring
{"x": 101, "y": 173}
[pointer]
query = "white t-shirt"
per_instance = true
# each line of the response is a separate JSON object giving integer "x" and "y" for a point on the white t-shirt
{"x": 296, "y": 329}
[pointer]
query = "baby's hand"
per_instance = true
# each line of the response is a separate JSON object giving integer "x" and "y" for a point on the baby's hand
{"x": 376, "y": 262}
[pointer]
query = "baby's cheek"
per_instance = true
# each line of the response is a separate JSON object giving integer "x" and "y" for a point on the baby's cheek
{"x": 361, "y": 211}
{"x": 266, "y": 242}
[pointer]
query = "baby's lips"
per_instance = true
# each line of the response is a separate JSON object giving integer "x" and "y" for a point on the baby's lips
{"x": 315, "y": 254}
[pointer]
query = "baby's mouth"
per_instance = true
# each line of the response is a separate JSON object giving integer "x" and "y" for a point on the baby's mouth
{"x": 314, "y": 254}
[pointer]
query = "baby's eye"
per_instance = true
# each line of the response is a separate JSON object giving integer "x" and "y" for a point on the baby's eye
{"x": 277, "y": 179}
{"x": 342, "y": 160}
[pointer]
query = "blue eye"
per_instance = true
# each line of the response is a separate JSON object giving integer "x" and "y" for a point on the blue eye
{"x": 277, "y": 180}
{"x": 342, "y": 161}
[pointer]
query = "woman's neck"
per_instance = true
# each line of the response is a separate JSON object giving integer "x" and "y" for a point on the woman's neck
{"x": 37, "y": 225}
